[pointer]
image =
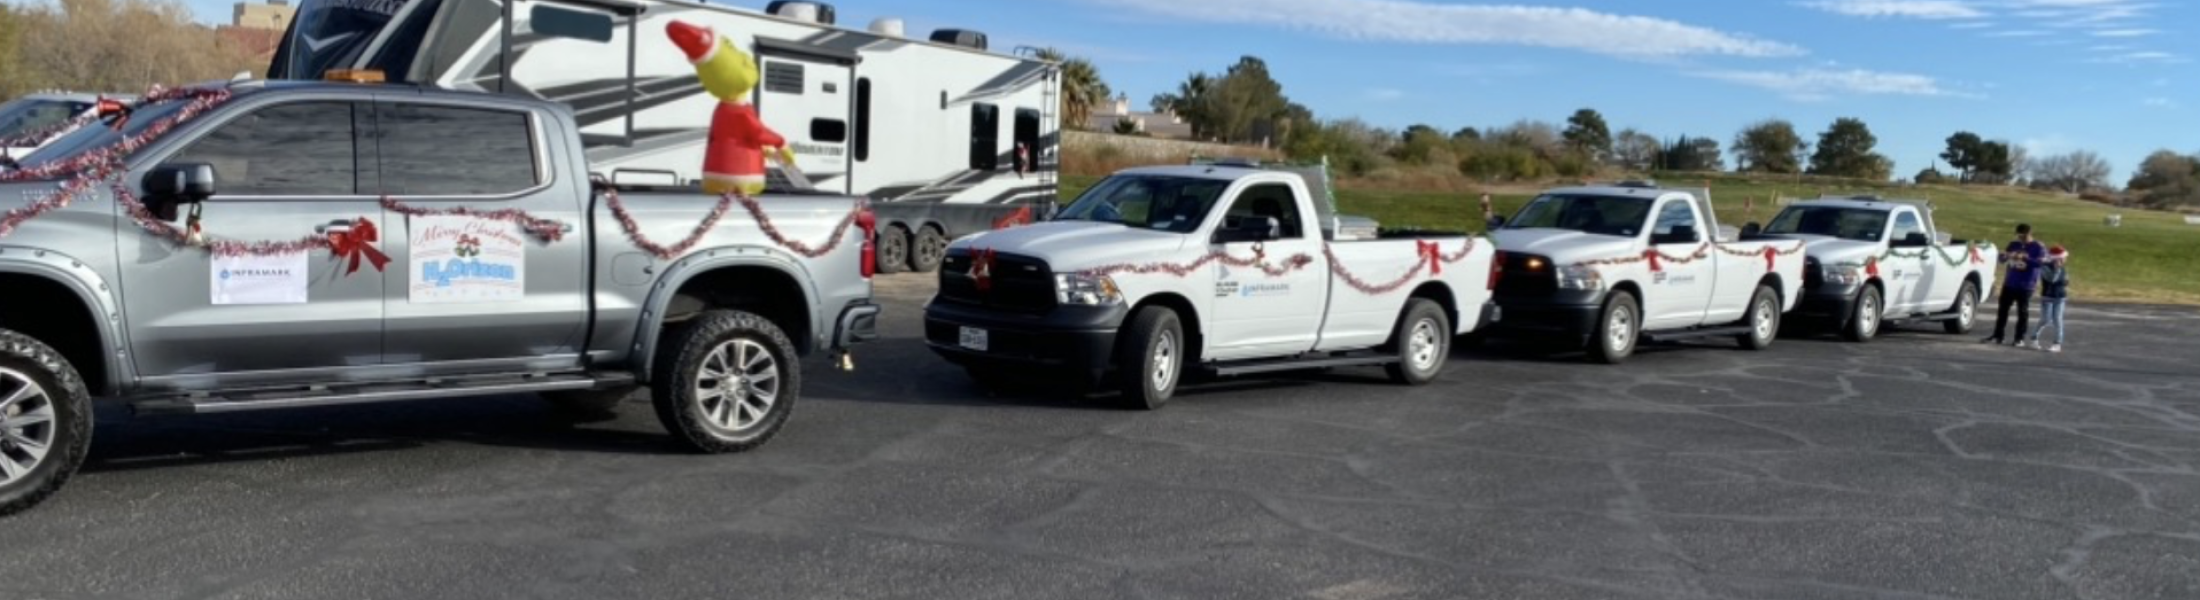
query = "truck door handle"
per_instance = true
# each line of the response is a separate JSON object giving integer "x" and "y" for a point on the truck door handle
{"x": 339, "y": 226}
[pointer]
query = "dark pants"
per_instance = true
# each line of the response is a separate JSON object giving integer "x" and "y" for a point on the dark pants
{"x": 2022, "y": 299}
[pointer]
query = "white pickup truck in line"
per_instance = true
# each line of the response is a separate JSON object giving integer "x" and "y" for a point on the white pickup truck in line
{"x": 1603, "y": 268}
{"x": 1873, "y": 262}
{"x": 1222, "y": 269}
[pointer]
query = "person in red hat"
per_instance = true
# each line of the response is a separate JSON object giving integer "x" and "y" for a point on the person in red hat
{"x": 2054, "y": 296}
{"x": 733, "y": 160}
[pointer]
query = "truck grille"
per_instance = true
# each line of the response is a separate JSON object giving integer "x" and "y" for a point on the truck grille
{"x": 1519, "y": 281}
{"x": 1020, "y": 283}
{"x": 1812, "y": 276}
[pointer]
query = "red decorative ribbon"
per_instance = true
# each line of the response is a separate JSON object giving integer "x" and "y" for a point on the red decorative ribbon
{"x": 1770, "y": 255}
{"x": 1871, "y": 267}
{"x": 358, "y": 244}
{"x": 1975, "y": 258}
{"x": 1022, "y": 216}
{"x": 1652, "y": 256}
{"x": 1433, "y": 253}
{"x": 981, "y": 268}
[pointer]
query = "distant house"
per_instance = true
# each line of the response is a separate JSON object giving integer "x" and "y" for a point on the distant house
{"x": 257, "y": 29}
{"x": 1160, "y": 125}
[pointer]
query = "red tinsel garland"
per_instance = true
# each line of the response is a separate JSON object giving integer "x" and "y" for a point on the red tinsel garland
{"x": 1429, "y": 259}
{"x": 547, "y": 230}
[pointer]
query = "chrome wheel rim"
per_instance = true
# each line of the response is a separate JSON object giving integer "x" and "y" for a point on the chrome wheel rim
{"x": 1967, "y": 308}
{"x": 930, "y": 250}
{"x": 1867, "y": 315}
{"x": 1764, "y": 319}
{"x": 1164, "y": 361}
{"x": 27, "y": 426}
{"x": 1620, "y": 332}
{"x": 737, "y": 385}
{"x": 1421, "y": 348}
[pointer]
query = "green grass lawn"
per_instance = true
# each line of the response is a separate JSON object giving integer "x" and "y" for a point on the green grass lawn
{"x": 2151, "y": 258}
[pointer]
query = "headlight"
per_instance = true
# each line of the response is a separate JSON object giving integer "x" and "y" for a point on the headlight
{"x": 1843, "y": 274}
{"x": 1086, "y": 290}
{"x": 1580, "y": 277}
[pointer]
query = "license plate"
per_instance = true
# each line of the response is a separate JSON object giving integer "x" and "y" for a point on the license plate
{"x": 974, "y": 339}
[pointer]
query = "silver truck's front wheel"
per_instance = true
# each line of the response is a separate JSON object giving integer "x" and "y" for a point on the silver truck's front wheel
{"x": 726, "y": 382}
{"x": 45, "y": 422}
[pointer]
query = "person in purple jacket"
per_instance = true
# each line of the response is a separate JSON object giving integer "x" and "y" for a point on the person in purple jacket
{"x": 2023, "y": 257}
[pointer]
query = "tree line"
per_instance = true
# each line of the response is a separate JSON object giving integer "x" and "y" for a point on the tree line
{"x": 110, "y": 46}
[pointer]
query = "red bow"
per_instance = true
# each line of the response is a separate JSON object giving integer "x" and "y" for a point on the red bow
{"x": 1022, "y": 216}
{"x": 1871, "y": 267}
{"x": 358, "y": 244}
{"x": 981, "y": 268}
{"x": 1770, "y": 256}
{"x": 1652, "y": 256}
{"x": 1434, "y": 253}
{"x": 1975, "y": 258}
{"x": 113, "y": 108}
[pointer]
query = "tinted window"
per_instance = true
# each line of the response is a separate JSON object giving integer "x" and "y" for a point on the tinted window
{"x": 828, "y": 130}
{"x": 1676, "y": 224}
{"x": 301, "y": 149}
{"x": 863, "y": 119}
{"x": 1027, "y": 139}
{"x": 1176, "y": 204}
{"x": 1845, "y": 223}
{"x": 1269, "y": 200}
{"x": 985, "y": 137}
{"x": 1602, "y": 215}
{"x": 35, "y": 116}
{"x": 453, "y": 151}
{"x": 562, "y": 22}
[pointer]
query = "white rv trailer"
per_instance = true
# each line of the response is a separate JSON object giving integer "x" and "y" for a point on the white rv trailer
{"x": 935, "y": 131}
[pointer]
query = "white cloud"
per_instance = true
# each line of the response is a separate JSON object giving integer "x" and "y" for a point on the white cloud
{"x": 2017, "y": 33}
{"x": 1820, "y": 84}
{"x": 2126, "y": 33}
{"x": 1973, "y": 25}
{"x": 1385, "y": 94}
{"x": 1911, "y": 9}
{"x": 2159, "y": 102}
{"x": 1407, "y": 21}
{"x": 2150, "y": 56}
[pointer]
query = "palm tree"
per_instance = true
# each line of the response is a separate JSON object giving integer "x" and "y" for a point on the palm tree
{"x": 1082, "y": 88}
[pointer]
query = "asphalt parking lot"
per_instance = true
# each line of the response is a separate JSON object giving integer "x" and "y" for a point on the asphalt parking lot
{"x": 1919, "y": 466}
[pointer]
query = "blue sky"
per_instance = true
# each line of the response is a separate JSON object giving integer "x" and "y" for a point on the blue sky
{"x": 2114, "y": 76}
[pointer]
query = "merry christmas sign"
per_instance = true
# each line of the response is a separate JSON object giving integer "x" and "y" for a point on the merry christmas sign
{"x": 459, "y": 259}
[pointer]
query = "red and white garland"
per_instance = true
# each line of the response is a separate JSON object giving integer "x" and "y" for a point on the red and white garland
{"x": 1658, "y": 259}
{"x": 81, "y": 173}
{"x": 1430, "y": 255}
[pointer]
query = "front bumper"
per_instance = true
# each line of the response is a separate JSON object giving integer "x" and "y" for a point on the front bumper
{"x": 1068, "y": 338}
{"x": 1564, "y": 315}
{"x": 1832, "y": 303}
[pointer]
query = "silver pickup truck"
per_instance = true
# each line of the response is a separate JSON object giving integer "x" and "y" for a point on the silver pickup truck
{"x": 450, "y": 301}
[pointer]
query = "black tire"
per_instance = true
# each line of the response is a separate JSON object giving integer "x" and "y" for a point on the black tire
{"x": 588, "y": 405}
{"x": 1421, "y": 354}
{"x": 893, "y": 249}
{"x": 1762, "y": 319}
{"x": 1865, "y": 315}
{"x": 1149, "y": 358}
{"x": 1966, "y": 310}
{"x": 931, "y": 248}
{"x": 1618, "y": 330}
{"x": 37, "y": 383}
{"x": 718, "y": 342}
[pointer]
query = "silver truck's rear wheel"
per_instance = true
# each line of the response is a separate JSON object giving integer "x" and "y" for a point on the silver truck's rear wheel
{"x": 726, "y": 382}
{"x": 45, "y": 422}
{"x": 929, "y": 250}
{"x": 1864, "y": 322}
{"x": 893, "y": 249}
{"x": 1618, "y": 327}
{"x": 1422, "y": 341}
{"x": 1149, "y": 358}
{"x": 1763, "y": 319}
{"x": 1966, "y": 310}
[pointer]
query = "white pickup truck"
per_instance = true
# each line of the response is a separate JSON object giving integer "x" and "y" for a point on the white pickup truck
{"x": 1222, "y": 269}
{"x": 1603, "y": 268}
{"x": 1874, "y": 261}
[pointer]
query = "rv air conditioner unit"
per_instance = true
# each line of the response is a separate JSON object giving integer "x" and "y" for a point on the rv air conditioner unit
{"x": 960, "y": 37}
{"x": 813, "y": 12}
{"x": 887, "y": 26}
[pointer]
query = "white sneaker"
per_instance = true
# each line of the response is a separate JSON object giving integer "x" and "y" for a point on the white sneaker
{"x": 2057, "y": 348}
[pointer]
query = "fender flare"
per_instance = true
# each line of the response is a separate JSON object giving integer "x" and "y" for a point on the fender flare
{"x": 697, "y": 263}
{"x": 92, "y": 290}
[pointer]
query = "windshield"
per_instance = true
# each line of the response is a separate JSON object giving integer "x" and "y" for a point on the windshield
{"x": 103, "y": 134}
{"x": 30, "y": 115}
{"x": 1601, "y": 215}
{"x": 1177, "y": 204}
{"x": 1858, "y": 224}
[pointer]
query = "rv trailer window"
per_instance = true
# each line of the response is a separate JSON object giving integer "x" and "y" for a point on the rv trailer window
{"x": 783, "y": 78}
{"x": 863, "y": 119}
{"x": 828, "y": 130}
{"x": 432, "y": 150}
{"x": 985, "y": 137}
{"x": 568, "y": 23}
{"x": 1027, "y": 140}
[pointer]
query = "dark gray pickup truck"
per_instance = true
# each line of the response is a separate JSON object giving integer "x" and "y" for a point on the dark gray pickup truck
{"x": 457, "y": 296}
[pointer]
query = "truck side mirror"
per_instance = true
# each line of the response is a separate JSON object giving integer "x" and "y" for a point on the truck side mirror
{"x": 1681, "y": 234}
{"x": 175, "y": 184}
{"x": 1248, "y": 229}
{"x": 1751, "y": 230}
{"x": 1497, "y": 222}
{"x": 1915, "y": 239}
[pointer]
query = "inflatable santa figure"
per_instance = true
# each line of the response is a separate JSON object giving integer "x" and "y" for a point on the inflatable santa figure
{"x": 734, "y": 159}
